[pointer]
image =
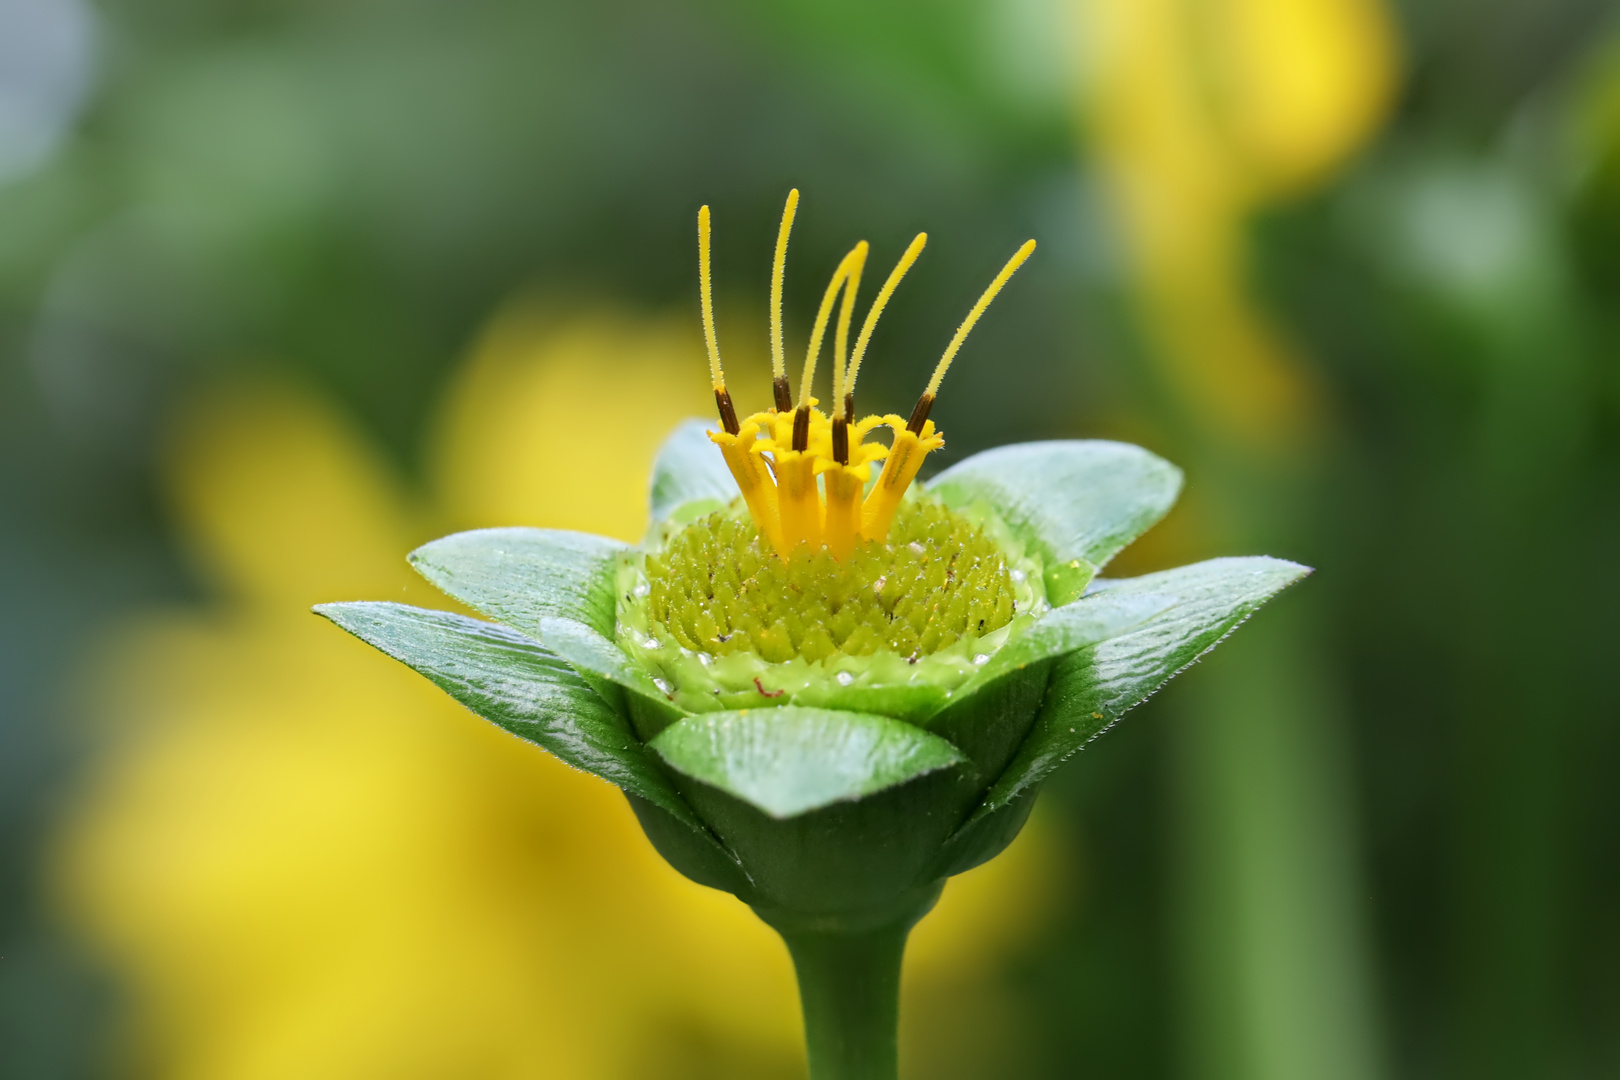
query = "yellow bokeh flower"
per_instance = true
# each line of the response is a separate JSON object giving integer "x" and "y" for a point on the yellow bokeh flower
{"x": 1200, "y": 116}
{"x": 302, "y": 860}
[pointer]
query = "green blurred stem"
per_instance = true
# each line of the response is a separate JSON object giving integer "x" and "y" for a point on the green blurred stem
{"x": 849, "y": 986}
{"x": 849, "y": 982}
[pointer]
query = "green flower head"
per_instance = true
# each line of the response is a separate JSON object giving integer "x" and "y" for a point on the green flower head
{"x": 823, "y": 691}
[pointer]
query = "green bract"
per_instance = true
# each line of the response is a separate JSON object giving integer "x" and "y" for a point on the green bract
{"x": 833, "y": 786}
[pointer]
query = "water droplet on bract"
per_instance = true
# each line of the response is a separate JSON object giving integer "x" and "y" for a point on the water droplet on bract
{"x": 1018, "y": 576}
{"x": 844, "y": 678}
{"x": 982, "y": 658}
{"x": 642, "y": 589}
{"x": 661, "y": 684}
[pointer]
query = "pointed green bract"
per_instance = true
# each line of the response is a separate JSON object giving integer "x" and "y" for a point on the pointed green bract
{"x": 1062, "y": 631}
{"x": 1093, "y": 687}
{"x": 519, "y": 576}
{"x": 1078, "y": 502}
{"x": 689, "y": 472}
{"x": 595, "y": 655}
{"x": 517, "y": 684}
{"x": 791, "y": 760}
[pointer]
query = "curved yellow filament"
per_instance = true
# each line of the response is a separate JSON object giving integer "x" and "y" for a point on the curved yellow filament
{"x": 846, "y": 311}
{"x": 707, "y": 300}
{"x": 973, "y": 316}
{"x": 778, "y": 357}
{"x": 850, "y": 265}
{"x": 899, "y": 271}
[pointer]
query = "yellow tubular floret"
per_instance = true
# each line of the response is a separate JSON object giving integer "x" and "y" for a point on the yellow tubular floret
{"x": 754, "y": 480}
{"x": 845, "y": 484}
{"x": 843, "y": 525}
{"x": 800, "y": 500}
{"x": 798, "y": 496}
{"x": 905, "y": 458}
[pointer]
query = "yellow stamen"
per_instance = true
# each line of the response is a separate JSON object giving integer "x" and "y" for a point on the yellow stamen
{"x": 784, "y": 494}
{"x": 707, "y": 300}
{"x": 973, "y": 316}
{"x": 848, "y": 267}
{"x": 846, "y": 310}
{"x": 914, "y": 440}
{"x": 753, "y": 479}
{"x": 778, "y": 356}
{"x": 899, "y": 271}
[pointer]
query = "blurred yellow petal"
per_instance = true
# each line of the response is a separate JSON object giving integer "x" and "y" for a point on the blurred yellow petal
{"x": 1201, "y": 114}
{"x": 555, "y": 423}
{"x": 283, "y": 503}
{"x": 1301, "y": 84}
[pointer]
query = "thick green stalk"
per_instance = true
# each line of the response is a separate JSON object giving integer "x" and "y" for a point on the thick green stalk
{"x": 849, "y": 986}
{"x": 849, "y": 983}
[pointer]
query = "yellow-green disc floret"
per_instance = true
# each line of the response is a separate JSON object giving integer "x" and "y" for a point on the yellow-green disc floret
{"x": 721, "y": 621}
{"x": 717, "y": 589}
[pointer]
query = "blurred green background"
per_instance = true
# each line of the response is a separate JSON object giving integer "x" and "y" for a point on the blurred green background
{"x": 288, "y": 286}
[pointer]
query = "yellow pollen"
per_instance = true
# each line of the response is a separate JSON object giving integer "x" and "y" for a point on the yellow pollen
{"x": 778, "y": 356}
{"x": 715, "y": 373}
{"x": 848, "y": 270}
{"x": 973, "y": 316}
{"x": 910, "y": 256}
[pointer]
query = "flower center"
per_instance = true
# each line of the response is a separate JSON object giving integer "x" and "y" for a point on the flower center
{"x": 815, "y": 489}
{"x": 716, "y": 589}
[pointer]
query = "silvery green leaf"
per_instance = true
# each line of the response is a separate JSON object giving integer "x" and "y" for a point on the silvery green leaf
{"x": 790, "y": 760}
{"x": 513, "y": 682}
{"x": 1092, "y": 688}
{"x": 596, "y": 654}
{"x": 689, "y": 472}
{"x": 1078, "y": 502}
{"x": 519, "y": 576}
{"x": 1065, "y": 629}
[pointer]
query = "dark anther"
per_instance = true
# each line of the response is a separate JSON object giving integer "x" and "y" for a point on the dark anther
{"x": 801, "y": 430}
{"x": 784, "y": 396}
{"x": 849, "y": 407}
{"x": 840, "y": 440}
{"x": 728, "y": 411}
{"x": 919, "y": 415}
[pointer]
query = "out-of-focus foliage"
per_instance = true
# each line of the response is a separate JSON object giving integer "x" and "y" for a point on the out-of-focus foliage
{"x": 1353, "y": 264}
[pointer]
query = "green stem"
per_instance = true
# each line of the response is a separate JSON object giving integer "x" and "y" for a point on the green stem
{"x": 849, "y": 986}
{"x": 849, "y": 982}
